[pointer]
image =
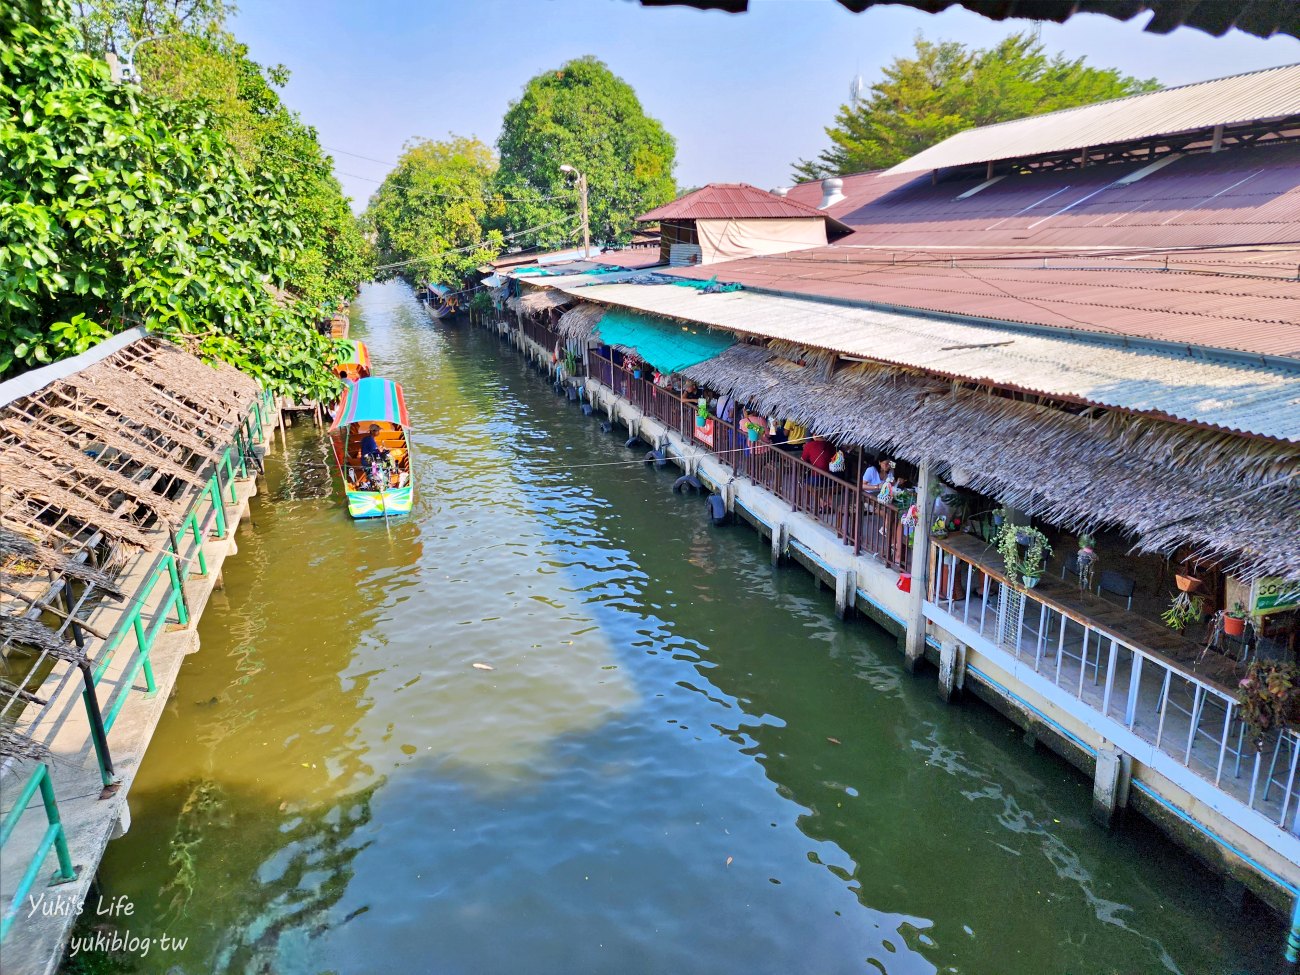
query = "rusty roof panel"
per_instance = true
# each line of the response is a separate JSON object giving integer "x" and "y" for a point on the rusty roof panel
{"x": 722, "y": 201}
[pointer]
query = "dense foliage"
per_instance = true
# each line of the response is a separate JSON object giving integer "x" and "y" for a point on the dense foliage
{"x": 946, "y": 87}
{"x": 120, "y": 207}
{"x": 429, "y": 214}
{"x": 585, "y": 116}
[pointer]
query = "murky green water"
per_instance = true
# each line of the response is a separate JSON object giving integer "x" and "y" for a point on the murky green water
{"x": 646, "y": 782}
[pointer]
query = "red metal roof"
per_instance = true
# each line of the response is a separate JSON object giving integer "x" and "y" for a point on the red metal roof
{"x": 722, "y": 201}
{"x": 1224, "y": 299}
{"x": 1204, "y": 252}
{"x": 633, "y": 258}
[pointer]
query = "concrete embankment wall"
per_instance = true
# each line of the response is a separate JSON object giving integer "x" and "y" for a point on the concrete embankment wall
{"x": 93, "y": 815}
{"x": 863, "y": 584}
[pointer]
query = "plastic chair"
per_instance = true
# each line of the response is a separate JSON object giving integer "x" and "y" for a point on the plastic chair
{"x": 1117, "y": 584}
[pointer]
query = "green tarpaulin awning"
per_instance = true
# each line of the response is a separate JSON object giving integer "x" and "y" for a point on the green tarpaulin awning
{"x": 667, "y": 345}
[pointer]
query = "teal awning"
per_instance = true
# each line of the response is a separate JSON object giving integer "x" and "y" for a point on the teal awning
{"x": 667, "y": 345}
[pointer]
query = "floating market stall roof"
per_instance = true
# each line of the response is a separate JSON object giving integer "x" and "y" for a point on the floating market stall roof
{"x": 1229, "y": 395}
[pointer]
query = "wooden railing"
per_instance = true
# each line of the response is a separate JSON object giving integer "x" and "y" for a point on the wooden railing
{"x": 858, "y": 519}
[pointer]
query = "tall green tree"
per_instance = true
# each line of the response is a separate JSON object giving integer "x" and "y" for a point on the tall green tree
{"x": 946, "y": 87}
{"x": 120, "y": 208}
{"x": 429, "y": 215}
{"x": 190, "y": 57}
{"x": 585, "y": 116}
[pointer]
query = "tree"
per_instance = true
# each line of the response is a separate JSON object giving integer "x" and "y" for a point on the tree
{"x": 946, "y": 87}
{"x": 120, "y": 208}
{"x": 428, "y": 215}
{"x": 191, "y": 58}
{"x": 585, "y": 116}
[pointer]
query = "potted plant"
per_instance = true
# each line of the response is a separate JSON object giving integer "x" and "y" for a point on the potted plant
{"x": 1188, "y": 582}
{"x": 1268, "y": 697}
{"x": 940, "y": 527}
{"x": 1234, "y": 621}
{"x": 1184, "y": 610}
{"x": 1085, "y": 561}
{"x": 1010, "y": 539}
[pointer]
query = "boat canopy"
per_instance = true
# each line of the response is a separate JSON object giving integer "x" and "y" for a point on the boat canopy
{"x": 372, "y": 400}
{"x": 354, "y": 351}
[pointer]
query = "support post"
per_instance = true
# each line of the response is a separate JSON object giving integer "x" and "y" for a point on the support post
{"x": 1110, "y": 784}
{"x": 952, "y": 670}
{"x": 97, "y": 733}
{"x": 846, "y": 588}
{"x": 1292, "y": 954}
{"x": 778, "y": 542}
{"x": 920, "y": 557}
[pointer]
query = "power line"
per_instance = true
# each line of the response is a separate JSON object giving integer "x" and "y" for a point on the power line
{"x": 470, "y": 247}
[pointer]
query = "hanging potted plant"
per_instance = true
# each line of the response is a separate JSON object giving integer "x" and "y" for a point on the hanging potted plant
{"x": 1234, "y": 621}
{"x": 1269, "y": 698}
{"x": 1188, "y": 581}
{"x": 1028, "y": 566}
{"x": 1184, "y": 610}
{"x": 1085, "y": 562}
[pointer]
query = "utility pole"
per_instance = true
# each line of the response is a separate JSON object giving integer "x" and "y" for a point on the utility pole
{"x": 586, "y": 219}
{"x": 583, "y": 212}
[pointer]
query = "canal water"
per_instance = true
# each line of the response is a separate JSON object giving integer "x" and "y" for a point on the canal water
{"x": 679, "y": 761}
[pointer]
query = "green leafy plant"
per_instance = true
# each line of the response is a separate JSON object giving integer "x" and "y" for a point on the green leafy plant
{"x": 1238, "y": 612}
{"x": 582, "y": 115}
{"x": 122, "y": 207}
{"x": 1010, "y": 539}
{"x": 944, "y": 87}
{"x": 1184, "y": 610}
{"x": 1268, "y": 697}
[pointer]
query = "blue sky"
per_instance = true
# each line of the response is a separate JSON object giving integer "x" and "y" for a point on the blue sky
{"x": 743, "y": 95}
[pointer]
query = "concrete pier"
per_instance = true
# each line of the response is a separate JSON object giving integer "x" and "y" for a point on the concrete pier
{"x": 93, "y": 815}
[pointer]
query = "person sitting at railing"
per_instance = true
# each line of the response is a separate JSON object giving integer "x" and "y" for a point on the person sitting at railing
{"x": 873, "y": 477}
{"x": 795, "y": 433}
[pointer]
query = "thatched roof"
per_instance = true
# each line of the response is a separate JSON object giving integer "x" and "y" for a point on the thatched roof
{"x": 578, "y": 323}
{"x": 16, "y": 547}
{"x": 539, "y": 301}
{"x": 38, "y": 637}
{"x": 1171, "y": 485}
{"x": 15, "y": 744}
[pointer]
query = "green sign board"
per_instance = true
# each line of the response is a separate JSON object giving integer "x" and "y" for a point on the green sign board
{"x": 1273, "y": 595}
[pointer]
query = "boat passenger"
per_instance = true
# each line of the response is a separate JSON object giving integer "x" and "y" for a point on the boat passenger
{"x": 370, "y": 443}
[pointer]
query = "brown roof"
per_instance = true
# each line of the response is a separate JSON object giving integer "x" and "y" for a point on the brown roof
{"x": 1203, "y": 252}
{"x": 1259, "y": 17}
{"x": 1247, "y": 301}
{"x": 631, "y": 258}
{"x": 720, "y": 201}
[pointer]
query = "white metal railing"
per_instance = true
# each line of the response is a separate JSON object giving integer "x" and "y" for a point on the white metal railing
{"x": 1191, "y": 719}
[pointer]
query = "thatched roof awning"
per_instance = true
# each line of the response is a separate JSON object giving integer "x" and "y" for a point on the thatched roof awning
{"x": 539, "y": 301}
{"x": 1168, "y": 484}
{"x": 577, "y": 324}
{"x": 1235, "y": 396}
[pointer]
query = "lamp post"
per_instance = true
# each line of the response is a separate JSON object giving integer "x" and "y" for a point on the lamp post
{"x": 583, "y": 212}
{"x": 124, "y": 72}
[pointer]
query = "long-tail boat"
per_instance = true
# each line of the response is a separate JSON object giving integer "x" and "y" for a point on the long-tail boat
{"x": 376, "y": 477}
{"x": 355, "y": 361}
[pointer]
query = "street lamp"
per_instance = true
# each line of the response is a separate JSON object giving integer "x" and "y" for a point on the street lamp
{"x": 124, "y": 72}
{"x": 582, "y": 196}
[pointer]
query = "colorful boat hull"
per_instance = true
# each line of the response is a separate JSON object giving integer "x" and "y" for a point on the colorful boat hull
{"x": 373, "y": 504}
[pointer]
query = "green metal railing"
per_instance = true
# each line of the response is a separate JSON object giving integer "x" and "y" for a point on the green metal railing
{"x": 55, "y": 838}
{"x": 170, "y": 569}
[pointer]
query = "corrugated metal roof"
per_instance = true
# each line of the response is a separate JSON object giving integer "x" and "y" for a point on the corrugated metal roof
{"x": 722, "y": 201}
{"x": 1247, "y": 302}
{"x": 1239, "y": 398}
{"x": 1266, "y": 94}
